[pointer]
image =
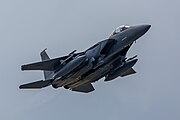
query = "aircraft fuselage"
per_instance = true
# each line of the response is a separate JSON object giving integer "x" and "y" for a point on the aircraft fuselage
{"x": 77, "y": 71}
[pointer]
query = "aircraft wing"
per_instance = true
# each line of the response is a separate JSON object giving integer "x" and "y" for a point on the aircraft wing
{"x": 128, "y": 72}
{"x": 49, "y": 65}
{"x": 86, "y": 88}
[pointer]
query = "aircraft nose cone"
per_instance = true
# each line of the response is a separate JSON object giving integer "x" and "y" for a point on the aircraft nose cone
{"x": 142, "y": 29}
{"x": 145, "y": 28}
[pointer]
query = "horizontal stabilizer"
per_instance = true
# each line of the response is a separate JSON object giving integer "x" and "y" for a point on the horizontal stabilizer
{"x": 128, "y": 72}
{"x": 48, "y": 65}
{"x": 86, "y": 88}
{"x": 36, "y": 85}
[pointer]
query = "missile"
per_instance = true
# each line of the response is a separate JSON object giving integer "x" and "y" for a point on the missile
{"x": 121, "y": 71}
{"x": 71, "y": 53}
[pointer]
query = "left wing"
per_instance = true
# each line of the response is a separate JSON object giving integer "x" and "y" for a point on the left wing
{"x": 86, "y": 88}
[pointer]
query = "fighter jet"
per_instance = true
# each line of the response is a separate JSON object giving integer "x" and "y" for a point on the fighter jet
{"x": 77, "y": 71}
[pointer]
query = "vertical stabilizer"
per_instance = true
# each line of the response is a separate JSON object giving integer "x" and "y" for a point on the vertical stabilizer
{"x": 47, "y": 74}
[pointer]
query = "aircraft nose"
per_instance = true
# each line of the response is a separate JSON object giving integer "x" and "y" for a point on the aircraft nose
{"x": 141, "y": 30}
{"x": 144, "y": 28}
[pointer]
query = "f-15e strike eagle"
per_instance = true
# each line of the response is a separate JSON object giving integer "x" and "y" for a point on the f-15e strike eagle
{"x": 77, "y": 71}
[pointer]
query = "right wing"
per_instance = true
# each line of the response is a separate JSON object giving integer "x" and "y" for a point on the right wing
{"x": 48, "y": 65}
{"x": 128, "y": 72}
{"x": 86, "y": 88}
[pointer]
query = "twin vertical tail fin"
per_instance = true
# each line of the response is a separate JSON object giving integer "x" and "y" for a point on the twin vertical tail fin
{"x": 47, "y": 74}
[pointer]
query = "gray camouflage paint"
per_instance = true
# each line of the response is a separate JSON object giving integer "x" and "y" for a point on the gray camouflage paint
{"x": 27, "y": 27}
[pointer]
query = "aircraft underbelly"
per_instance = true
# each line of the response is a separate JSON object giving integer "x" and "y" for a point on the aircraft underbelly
{"x": 76, "y": 76}
{"x": 99, "y": 73}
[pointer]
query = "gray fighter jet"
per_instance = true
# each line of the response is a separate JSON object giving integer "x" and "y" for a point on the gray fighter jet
{"x": 77, "y": 71}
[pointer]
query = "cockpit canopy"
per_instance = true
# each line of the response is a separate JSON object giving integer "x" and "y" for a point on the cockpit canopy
{"x": 120, "y": 29}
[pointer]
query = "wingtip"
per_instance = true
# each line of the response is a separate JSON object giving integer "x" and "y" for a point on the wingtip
{"x": 22, "y": 68}
{"x": 21, "y": 87}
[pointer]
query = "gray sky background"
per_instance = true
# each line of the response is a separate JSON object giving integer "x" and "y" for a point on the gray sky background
{"x": 29, "y": 26}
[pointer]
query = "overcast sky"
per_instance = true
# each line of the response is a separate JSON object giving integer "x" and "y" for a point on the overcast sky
{"x": 29, "y": 26}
